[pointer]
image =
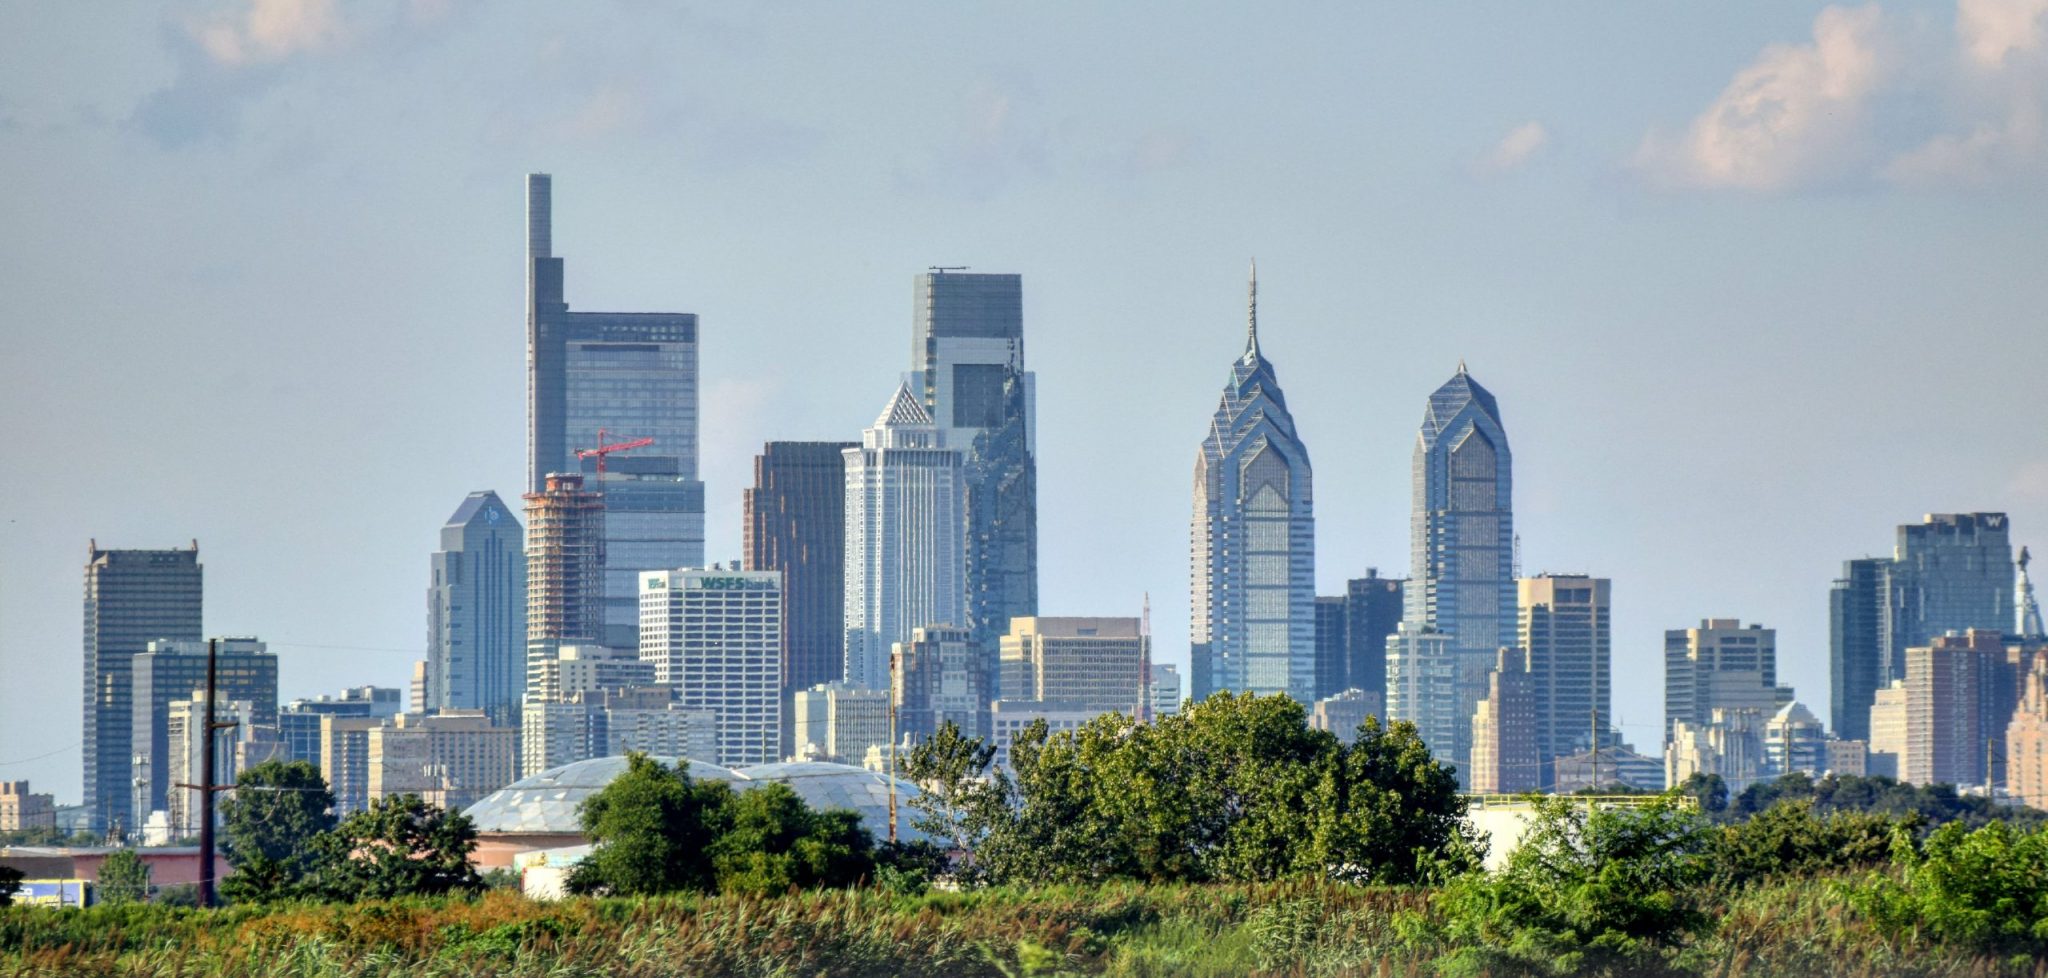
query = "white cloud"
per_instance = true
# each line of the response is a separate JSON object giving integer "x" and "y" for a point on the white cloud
{"x": 1517, "y": 147}
{"x": 1991, "y": 30}
{"x": 1794, "y": 114}
{"x": 270, "y": 30}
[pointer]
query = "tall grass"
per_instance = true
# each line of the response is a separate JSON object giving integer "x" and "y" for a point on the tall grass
{"x": 1794, "y": 928}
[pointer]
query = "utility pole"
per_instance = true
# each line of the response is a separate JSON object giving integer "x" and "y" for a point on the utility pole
{"x": 891, "y": 705}
{"x": 1593, "y": 726}
{"x": 206, "y": 782}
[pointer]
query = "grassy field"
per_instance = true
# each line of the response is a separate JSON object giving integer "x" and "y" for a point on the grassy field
{"x": 1800, "y": 928}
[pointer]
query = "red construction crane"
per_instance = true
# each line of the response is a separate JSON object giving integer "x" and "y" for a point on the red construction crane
{"x": 603, "y": 449}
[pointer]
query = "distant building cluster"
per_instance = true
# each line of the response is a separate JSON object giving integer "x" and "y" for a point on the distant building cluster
{"x": 888, "y": 587}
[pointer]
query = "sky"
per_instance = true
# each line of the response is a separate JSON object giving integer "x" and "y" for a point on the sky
{"x": 1754, "y": 282}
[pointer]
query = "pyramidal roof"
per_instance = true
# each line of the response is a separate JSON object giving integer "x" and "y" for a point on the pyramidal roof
{"x": 1452, "y": 397}
{"x": 904, "y": 409}
{"x": 474, "y": 504}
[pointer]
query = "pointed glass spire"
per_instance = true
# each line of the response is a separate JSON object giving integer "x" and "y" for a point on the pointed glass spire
{"x": 903, "y": 409}
{"x": 1251, "y": 343}
{"x": 2029, "y": 606}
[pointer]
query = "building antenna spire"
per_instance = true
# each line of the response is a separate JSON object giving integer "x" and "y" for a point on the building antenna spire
{"x": 1251, "y": 346}
{"x": 2029, "y": 607}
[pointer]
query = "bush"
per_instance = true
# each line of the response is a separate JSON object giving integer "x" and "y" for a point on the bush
{"x": 1985, "y": 889}
{"x": 1788, "y": 838}
{"x": 123, "y": 878}
{"x": 1589, "y": 889}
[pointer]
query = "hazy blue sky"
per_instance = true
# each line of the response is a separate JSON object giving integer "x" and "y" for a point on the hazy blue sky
{"x": 1753, "y": 281}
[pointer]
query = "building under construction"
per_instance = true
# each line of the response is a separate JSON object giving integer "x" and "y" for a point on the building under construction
{"x": 564, "y": 566}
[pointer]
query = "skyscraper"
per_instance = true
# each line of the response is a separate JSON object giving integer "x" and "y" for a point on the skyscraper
{"x": 476, "y": 611}
{"x": 1951, "y": 715}
{"x": 616, "y": 376}
{"x": 1094, "y": 663}
{"x": 1462, "y": 534}
{"x": 795, "y": 523}
{"x": 564, "y": 567}
{"x": 132, "y": 597}
{"x": 1332, "y": 676}
{"x": 1562, "y": 623}
{"x": 941, "y": 675}
{"x": 1252, "y": 540}
{"x": 1372, "y": 611}
{"x": 1950, "y": 573}
{"x": 1859, "y": 659}
{"x": 1505, "y": 753}
{"x": 2028, "y": 611}
{"x": 716, "y": 636}
{"x": 967, "y": 357}
{"x": 904, "y": 559}
{"x": 1422, "y": 688}
{"x": 172, "y": 670}
{"x": 1722, "y": 664}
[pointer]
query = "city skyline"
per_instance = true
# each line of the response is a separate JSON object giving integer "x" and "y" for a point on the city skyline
{"x": 1651, "y": 449}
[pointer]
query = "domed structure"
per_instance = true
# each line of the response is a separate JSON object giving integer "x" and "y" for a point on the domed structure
{"x": 540, "y": 811}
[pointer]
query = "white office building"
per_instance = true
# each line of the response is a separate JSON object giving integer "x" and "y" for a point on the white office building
{"x": 716, "y": 637}
{"x": 905, "y": 561}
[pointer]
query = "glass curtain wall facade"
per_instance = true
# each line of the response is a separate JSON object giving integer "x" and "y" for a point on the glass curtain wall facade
{"x": 1859, "y": 661}
{"x": 1462, "y": 536}
{"x": 967, "y": 356}
{"x": 627, "y": 376}
{"x": 1252, "y": 540}
{"x": 132, "y": 597}
{"x": 1563, "y": 627}
{"x": 1950, "y": 573}
{"x": 795, "y": 523}
{"x": 476, "y": 612}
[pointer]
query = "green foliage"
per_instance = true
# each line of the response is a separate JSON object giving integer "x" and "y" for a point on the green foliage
{"x": 960, "y": 802}
{"x": 909, "y": 868}
{"x": 10, "y": 884}
{"x": 1588, "y": 889}
{"x": 123, "y": 878}
{"x": 653, "y": 828}
{"x": 269, "y": 824}
{"x": 1985, "y": 889}
{"x": 1933, "y": 804}
{"x": 776, "y": 843}
{"x": 1788, "y": 838}
{"x": 1235, "y": 788}
{"x": 1709, "y": 791}
{"x": 657, "y": 831}
{"x": 399, "y": 846}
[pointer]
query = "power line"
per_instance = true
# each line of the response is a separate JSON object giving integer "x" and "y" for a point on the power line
{"x": 38, "y": 757}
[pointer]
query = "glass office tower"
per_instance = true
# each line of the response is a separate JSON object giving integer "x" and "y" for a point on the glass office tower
{"x": 614, "y": 377}
{"x": 1252, "y": 540}
{"x": 476, "y": 611}
{"x": 132, "y": 597}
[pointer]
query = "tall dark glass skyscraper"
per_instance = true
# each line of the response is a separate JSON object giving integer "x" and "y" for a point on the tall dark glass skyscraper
{"x": 1859, "y": 659}
{"x": 1252, "y": 621}
{"x": 627, "y": 375}
{"x": 967, "y": 355}
{"x": 132, "y": 597}
{"x": 1950, "y": 572}
{"x": 476, "y": 612}
{"x": 1462, "y": 539}
{"x": 796, "y": 524}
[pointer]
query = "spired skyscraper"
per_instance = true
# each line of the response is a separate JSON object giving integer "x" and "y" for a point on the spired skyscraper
{"x": 617, "y": 376}
{"x": 967, "y": 355}
{"x": 1462, "y": 540}
{"x": 476, "y": 612}
{"x": 904, "y": 562}
{"x": 1252, "y": 540}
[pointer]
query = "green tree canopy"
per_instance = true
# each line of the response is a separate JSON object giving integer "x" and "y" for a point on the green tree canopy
{"x": 776, "y": 842}
{"x": 652, "y": 827}
{"x": 123, "y": 878}
{"x": 270, "y": 822}
{"x": 1237, "y": 787}
{"x": 399, "y": 846}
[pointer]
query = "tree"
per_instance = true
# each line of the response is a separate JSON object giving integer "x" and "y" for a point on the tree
{"x": 1788, "y": 838}
{"x": 1985, "y": 889}
{"x": 652, "y": 828}
{"x": 10, "y": 884}
{"x": 123, "y": 878}
{"x": 269, "y": 823}
{"x": 1393, "y": 811}
{"x": 399, "y": 846}
{"x": 1708, "y": 789}
{"x": 1588, "y": 889}
{"x": 959, "y": 802}
{"x": 776, "y": 842}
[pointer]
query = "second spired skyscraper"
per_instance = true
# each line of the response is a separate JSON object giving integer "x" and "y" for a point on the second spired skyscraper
{"x": 1252, "y": 540}
{"x": 904, "y": 563}
{"x": 1462, "y": 540}
{"x": 616, "y": 376}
